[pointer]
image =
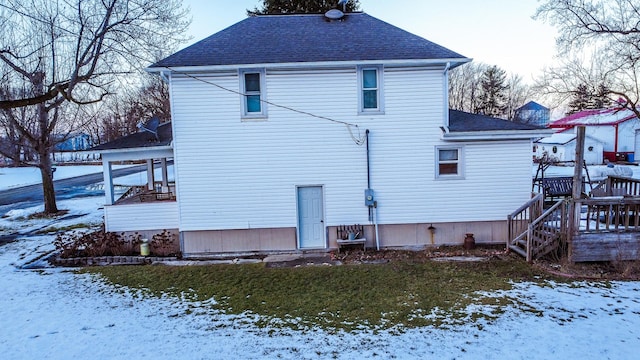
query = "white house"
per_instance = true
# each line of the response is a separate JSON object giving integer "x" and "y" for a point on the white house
{"x": 562, "y": 147}
{"x": 285, "y": 127}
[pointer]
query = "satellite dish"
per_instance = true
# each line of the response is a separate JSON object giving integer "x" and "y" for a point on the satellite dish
{"x": 150, "y": 126}
{"x": 334, "y": 14}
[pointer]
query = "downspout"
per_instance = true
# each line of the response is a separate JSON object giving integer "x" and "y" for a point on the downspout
{"x": 368, "y": 170}
{"x": 163, "y": 76}
{"x": 373, "y": 210}
{"x": 446, "y": 94}
{"x": 615, "y": 144}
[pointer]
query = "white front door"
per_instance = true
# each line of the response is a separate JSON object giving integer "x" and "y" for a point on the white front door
{"x": 310, "y": 218}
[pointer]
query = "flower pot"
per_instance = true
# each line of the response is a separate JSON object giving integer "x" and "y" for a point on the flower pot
{"x": 469, "y": 242}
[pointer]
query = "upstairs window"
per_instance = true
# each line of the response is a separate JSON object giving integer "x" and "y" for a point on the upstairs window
{"x": 253, "y": 95}
{"x": 449, "y": 162}
{"x": 370, "y": 89}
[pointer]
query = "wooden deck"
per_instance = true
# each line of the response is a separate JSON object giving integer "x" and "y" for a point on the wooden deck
{"x": 608, "y": 228}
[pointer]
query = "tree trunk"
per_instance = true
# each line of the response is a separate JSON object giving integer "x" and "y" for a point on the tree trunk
{"x": 44, "y": 149}
{"x": 48, "y": 190}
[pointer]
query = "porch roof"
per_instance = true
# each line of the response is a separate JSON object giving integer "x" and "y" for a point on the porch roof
{"x": 141, "y": 139}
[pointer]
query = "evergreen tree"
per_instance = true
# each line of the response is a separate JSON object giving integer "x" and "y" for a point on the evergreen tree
{"x": 580, "y": 100}
{"x": 585, "y": 98}
{"x": 493, "y": 96}
{"x": 600, "y": 99}
{"x": 302, "y": 6}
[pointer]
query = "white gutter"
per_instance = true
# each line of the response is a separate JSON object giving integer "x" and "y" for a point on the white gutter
{"x": 131, "y": 150}
{"x": 408, "y": 62}
{"x": 494, "y": 135}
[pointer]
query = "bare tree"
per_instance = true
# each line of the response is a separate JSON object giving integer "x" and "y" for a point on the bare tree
{"x": 465, "y": 87}
{"x": 119, "y": 115}
{"x": 56, "y": 52}
{"x": 517, "y": 94}
{"x": 466, "y": 92}
{"x": 609, "y": 30}
{"x": 562, "y": 85}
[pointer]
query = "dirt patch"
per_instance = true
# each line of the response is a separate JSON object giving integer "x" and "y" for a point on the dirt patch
{"x": 614, "y": 270}
{"x": 444, "y": 252}
{"x": 617, "y": 270}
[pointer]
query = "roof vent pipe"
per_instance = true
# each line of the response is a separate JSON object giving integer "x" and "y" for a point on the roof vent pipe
{"x": 344, "y": 5}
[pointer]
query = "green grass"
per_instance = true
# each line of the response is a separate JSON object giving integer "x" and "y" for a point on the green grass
{"x": 54, "y": 229}
{"x": 400, "y": 294}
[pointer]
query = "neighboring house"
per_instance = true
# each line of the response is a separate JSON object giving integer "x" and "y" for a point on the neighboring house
{"x": 75, "y": 142}
{"x": 615, "y": 128}
{"x": 532, "y": 113}
{"x": 72, "y": 147}
{"x": 562, "y": 147}
{"x": 281, "y": 124}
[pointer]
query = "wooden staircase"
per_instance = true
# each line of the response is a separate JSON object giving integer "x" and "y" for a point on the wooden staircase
{"x": 534, "y": 233}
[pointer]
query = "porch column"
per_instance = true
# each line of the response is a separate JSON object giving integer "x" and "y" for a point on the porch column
{"x": 165, "y": 172}
{"x": 108, "y": 182}
{"x": 150, "y": 175}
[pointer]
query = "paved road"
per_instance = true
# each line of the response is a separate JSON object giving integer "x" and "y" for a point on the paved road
{"x": 65, "y": 188}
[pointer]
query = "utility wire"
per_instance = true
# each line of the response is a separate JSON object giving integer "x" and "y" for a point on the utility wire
{"x": 359, "y": 140}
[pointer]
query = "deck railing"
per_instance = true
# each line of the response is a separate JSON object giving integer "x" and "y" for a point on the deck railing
{"x": 140, "y": 193}
{"x": 618, "y": 185}
{"x": 519, "y": 220}
{"x": 610, "y": 214}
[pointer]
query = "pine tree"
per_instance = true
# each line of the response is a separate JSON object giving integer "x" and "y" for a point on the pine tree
{"x": 580, "y": 100}
{"x": 585, "y": 98}
{"x": 600, "y": 99}
{"x": 493, "y": 97}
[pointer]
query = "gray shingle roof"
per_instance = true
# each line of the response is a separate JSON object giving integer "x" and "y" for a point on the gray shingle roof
{"x": 272, "y": 39}
{"x": 139, "y": 140}
{"x": 460, "y": 121}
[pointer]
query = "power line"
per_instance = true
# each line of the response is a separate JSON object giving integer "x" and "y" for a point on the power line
{"x": 358, "y": 140}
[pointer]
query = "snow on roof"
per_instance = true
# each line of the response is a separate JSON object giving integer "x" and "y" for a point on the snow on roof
{"x": 597, "y": 117}
{"x": 558, "y": 138}
{"x": 563, "y": 138}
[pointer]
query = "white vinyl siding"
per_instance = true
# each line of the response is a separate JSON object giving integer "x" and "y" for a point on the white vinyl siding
{"x": 150, "y": 216}
{"x": 243, "y": 175}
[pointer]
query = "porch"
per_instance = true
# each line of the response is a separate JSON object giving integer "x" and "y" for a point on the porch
{"x": 605, "y": 226}
{"x": 150, "y": 199}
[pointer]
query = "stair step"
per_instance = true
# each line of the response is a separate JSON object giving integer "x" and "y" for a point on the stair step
{"x": 518, "y": 250}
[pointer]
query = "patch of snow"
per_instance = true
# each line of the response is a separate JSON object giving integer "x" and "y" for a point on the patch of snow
{"x": 22, "y": 176}
{"x": 55, "y": 313}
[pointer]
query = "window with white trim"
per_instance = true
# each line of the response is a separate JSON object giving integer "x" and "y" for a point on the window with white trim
{"x": 253, "y": 94}
{"x": 370, "y": 96}
{"x": 449, "y": 162}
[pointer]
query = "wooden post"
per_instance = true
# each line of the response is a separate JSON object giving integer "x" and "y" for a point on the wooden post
{"x": 150, "y": 176}
{"x": 574, "y": 209}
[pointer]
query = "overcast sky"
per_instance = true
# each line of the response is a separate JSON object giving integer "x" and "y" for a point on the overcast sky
{"x": 496, "y": 32}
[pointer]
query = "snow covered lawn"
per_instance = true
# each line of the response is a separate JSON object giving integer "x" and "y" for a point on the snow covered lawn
{"x": 54, "y": 313}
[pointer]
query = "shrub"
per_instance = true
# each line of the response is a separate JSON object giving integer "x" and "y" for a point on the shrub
{"x": 97, "y": 243}
{"x": 163, "y": 244}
